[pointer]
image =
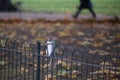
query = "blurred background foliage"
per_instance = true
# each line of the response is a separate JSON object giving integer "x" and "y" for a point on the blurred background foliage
{"x": 107, "y": 7}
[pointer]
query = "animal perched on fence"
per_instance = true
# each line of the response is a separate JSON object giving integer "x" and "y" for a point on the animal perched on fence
{"x": 50, "y": 48}
{"x": 85, "y": 4}
{"x": 50, "y": 51}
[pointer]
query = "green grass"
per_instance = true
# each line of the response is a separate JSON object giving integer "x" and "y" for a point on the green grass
{"x": 108, "y": 7}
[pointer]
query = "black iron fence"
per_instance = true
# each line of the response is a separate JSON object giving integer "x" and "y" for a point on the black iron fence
{"x": 23, "y": 60}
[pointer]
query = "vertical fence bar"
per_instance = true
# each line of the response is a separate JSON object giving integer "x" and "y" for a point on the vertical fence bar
{"x": 5, "y": 59}
{"x": 38, "y": 61}
{"x": 21, "y": 63}
{"x": 42, "y": 74}
{"x": 16, "y": 55}
{"x": 33, "y": 62}
{"x": 8, "y": 56}
{"x": 25, "y": 60}
{"x": 1, "y": 58}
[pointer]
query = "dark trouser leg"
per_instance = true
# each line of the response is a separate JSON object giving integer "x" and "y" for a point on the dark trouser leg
{"x": 92, "y": 11}
{"x": 78, "y": 12}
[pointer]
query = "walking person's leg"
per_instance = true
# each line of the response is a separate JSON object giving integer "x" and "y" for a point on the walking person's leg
{"x": 78, "y": 12}
{"x": 92, "y": 12}
{"x": 90, "y": 7}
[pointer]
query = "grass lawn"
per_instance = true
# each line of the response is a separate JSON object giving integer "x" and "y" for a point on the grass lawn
{"x": 109, "y": 7}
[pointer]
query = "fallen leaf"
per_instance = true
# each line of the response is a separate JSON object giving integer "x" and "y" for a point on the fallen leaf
{"x": 64, "y": 64}
{"x": 63, "y": 73}
{"x": 35, "y": 65}
{"x": 98, "y": 44}
{"x": 86, "y": 43}
{"x": 3, "y": 63}
{"x": 117, "y": 38}
{"x": 106, "y": 64}
{"x": 68, "y": 74}
{"x": 23, "y": 70}
{"x": 50, "y": 77}
{"x": 74, "y": 74}
{"x": 80, "y": 33}
{"x": 58, "y": 24}
{"x": 92, "y": 79}
{"x": 100, "y": 52}
{"x": 46, "y": 66}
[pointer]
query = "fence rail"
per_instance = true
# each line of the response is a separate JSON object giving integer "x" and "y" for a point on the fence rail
{"x": 24, "y": 60}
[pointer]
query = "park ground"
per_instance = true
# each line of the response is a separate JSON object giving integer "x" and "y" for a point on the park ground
{"x": 102, "y": 33}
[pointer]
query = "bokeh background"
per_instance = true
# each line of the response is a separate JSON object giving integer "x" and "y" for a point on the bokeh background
{"x": 107, "y": 7}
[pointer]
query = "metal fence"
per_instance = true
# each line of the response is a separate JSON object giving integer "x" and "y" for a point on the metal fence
{"x": 24, "y": 60}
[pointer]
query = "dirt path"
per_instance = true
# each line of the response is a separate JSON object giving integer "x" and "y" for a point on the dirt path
{"x": 51, "y": 16}
{"x": 101, "y": 33}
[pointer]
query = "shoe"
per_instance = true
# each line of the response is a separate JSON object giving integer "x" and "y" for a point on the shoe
{"x": 75, "y": 16}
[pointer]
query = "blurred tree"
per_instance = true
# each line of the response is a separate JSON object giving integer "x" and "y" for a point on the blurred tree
{"x": 6, "y": 5}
